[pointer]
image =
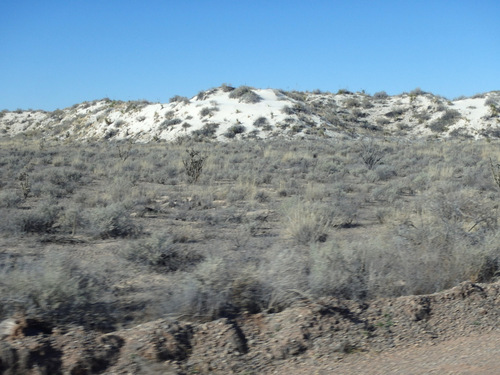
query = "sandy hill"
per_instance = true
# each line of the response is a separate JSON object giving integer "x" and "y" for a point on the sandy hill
{"x": 225, "y": 113}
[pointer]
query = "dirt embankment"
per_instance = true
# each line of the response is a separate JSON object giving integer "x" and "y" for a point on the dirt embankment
{"x": 455, "y": 331}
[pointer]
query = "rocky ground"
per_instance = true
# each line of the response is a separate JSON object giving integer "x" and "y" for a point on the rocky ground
{"x": 322, "y": 336}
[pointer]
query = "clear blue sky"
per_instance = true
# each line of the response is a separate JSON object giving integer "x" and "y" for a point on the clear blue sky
{"x": 55, "y": 53}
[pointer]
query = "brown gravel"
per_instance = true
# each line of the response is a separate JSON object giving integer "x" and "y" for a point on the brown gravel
{"x": 473, "y": 355}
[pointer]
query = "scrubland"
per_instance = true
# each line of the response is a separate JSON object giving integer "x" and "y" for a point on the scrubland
{"x": 106, "y": 235}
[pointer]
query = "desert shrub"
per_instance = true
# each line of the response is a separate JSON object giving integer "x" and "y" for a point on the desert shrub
{"x": 25, "y": 183}
{"x": 338, "y": 271}
{"x": 56, "y": 289}
{"x": 432, "y": 259}
{"x": 58, "y": 114}
{"x": 261, "y": 122}
{"x": 71, "y": 218}
{"x": 304, "y": 223}
{"x": 40, "y": 219}
{"x": 385, "y": 172}
{"x": 490, "y": 101}
{"x": 296, "y": 95}
{"x": 178, "y": 99}
{"x": 249, "y": 294}
{"x": 495, "y": 171}
{"x": 422, "y": 258}
{"x": 245, "y": 94}
{"x": 124, "y": 149}
{"x": 417, "y": 91}
{"x": 441, "y": 107}
{"x": 201, "y": 95}
{"x": 287, "y": 110}
{"x": 395, "y": 112}
{"x": 9, "y": 198}
{"x": 342, "y": 212}
{"x": 382, "y": 121}
{"x": 358, "y": 113}
{"x": 166, "y": 123}
{"x": 239, "y": 193}
{"x": 219, "y": 288}
{"x": 169, "y": 115}
{"x": 380, "y": 95}
{"x": 491, "y": 133}
{"x": 234, "y": 130}
{"x": 112, "y": 221}
{"x": 208, "y": 111}
{"x": 367, "y": 103}
{"x": 371, "y": 153}
{"x": 464, "y": 133}
{"x": 193, "y": 165}
{"x": 160, "y": 253}
{"x": 261, "y": 196}
{"x": 422, "y": 117}
{"x": 118, "y": 123}
{"x": 299, "y": 108}
{"x": 442, "y": 124}
{"x": 110, "y": 133}
{"x": 204, "y": 292}
{"x": 352, "y": 103}
{"x": 62, "y": 181}
{"x": 226, "y": 88}
{"x": 207, "y": 131}
{"x": 344, "y": 92}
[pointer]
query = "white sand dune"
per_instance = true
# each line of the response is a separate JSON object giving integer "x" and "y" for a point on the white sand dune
{"x": 215, "y": 114}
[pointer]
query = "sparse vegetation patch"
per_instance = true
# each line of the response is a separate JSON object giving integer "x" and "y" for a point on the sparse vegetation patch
{"x": 245, "y": 94}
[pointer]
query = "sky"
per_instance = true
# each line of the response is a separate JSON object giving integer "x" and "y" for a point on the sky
{"x": 56, "y": 53}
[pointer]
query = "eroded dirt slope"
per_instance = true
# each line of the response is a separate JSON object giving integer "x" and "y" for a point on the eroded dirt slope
{"x": 457, "y": 326}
